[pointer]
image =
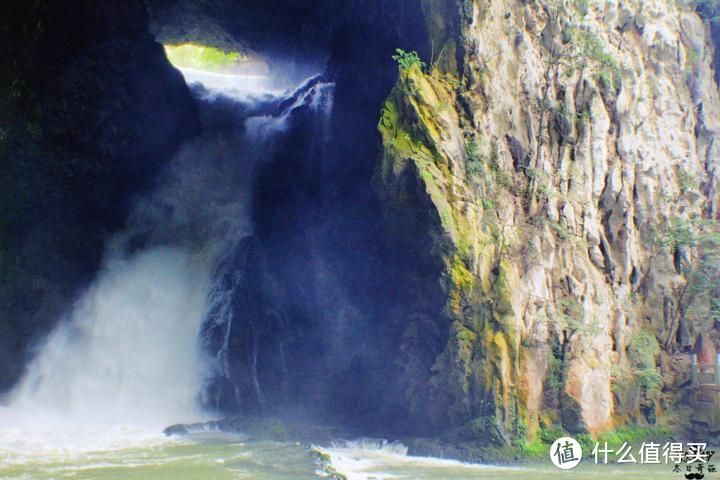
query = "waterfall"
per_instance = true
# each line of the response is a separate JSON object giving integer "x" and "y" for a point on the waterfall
{"x": 236, "y": 384}
{"x": 255, "y": 350}
{"x": 127, "y": 352}
{"x": 131, "y": 351}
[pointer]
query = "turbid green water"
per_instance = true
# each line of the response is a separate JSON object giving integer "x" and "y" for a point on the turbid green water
{"x": 212, "y": 456}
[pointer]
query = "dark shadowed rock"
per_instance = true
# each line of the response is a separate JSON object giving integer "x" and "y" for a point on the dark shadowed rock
{"x": 89, "y": 110}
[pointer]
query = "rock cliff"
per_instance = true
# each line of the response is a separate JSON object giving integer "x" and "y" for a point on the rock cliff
{"x": 561, "y": 160}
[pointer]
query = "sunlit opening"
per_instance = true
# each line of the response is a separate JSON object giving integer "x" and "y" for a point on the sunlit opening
{"x": 206, "y": 58}
{"x": 233, "y": 73}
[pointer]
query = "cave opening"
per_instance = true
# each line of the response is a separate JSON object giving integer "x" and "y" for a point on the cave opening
{"x": 329, "y": 285}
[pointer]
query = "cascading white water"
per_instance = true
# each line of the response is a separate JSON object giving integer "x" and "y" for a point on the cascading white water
{"x": 378, "y": 459}
{"x": 316, "y": 94}
{"x": 127, "y": 358}
{"x": 237, "y": 86}
{"x": 128, "y": 352}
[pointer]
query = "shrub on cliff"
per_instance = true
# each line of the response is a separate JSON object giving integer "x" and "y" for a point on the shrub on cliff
{"x": 406, "y": 60}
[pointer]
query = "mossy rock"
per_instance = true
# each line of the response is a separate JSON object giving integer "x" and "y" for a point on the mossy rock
{"x": 324, "y": 460}
{"x": 571, "y": 416}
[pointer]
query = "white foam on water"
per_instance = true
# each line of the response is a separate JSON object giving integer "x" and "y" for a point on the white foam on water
{"x": 75, "y": 445}
{"x": 124, "y": 365}
{"x": 374, "y": 459}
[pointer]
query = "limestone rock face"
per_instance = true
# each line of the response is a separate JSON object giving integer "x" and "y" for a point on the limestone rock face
{"x": 561, "y": 152}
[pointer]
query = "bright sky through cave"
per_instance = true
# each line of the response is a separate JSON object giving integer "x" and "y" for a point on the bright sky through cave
{"x": 232, "y": 73}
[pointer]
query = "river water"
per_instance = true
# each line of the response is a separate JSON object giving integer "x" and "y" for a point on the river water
{"x": 222, "y": 456}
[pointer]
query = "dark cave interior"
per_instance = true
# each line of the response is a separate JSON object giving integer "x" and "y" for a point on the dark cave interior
{"x": 334, "y": 280}
{"x": 330, "y": 294}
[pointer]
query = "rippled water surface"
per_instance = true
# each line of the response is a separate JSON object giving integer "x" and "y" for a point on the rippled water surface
{"x": 214, "y": 456}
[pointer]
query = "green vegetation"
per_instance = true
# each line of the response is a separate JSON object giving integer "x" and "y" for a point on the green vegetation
{"x": 203, "y": 57}
{"x": 572, "y": 313}
{"x": 482, "y": 159}
{"x": 539, "y": 448}
{"x": 630, "y": 434}
{"x": 487, "y": 203}
{"x": 501, "y": 177}
{"x": 441, "y": 106}
{"x": 686, "y": 181}
{"x": 694, "y": 245}
{"x": 576, "y": 47}
{"x": 642, "y": 349}
{"x": 554, "y": 380}
{"x": 475, "y": 163}
{"x": 474, "y": 168}
{"x": 472, "y": 148}
{"x": 406, "y": 60}
{"x": 590, "y": 48}
{"x": 324, "y": 461}
{"x": 561, "y": 230}
{"x": 634, "y": 435}
{"x": 679, "y": 233}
